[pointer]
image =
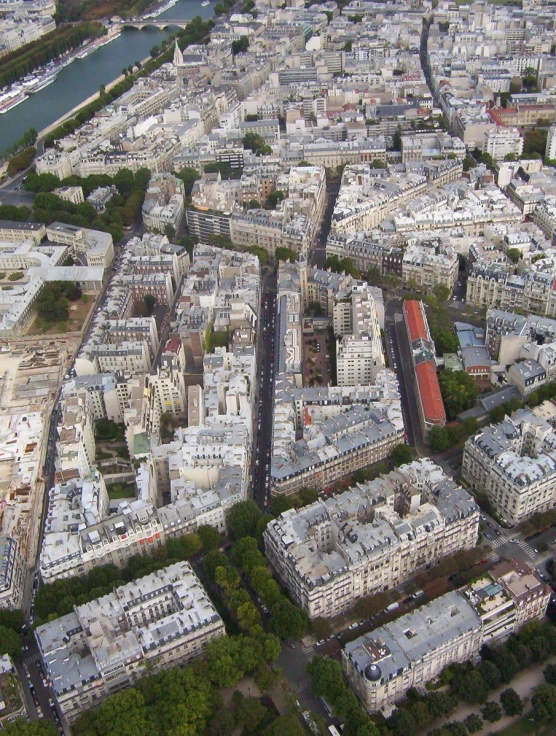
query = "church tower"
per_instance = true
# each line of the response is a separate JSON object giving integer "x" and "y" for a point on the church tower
{"x": 178, "y": 56}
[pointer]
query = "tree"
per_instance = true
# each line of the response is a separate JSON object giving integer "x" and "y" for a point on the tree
{"x": 320, "y": 628}
{"x": 514, "y": 254}
{"x": 287, "y": 621}
{"x": 209, "y": 536}
{"x": 544, "y": 703}
{"x": 170, "y": 232}
{"x": 253, "y": 204}
{"x": 439, "y": 439}
{"x": 402, "y": 723}
{"x": 285, "y": 254}
{"x": 150, "y": 301}
{"x": 251, "y": 713}
{"x": 472, "y": 688}
{"x": 222, "y": 723}
{"x": 213, "y": 560}
{"x": 189, "y": 176}
{"x": 511, "y": 702}
{"x": 243, "y": 518}
{"x": 459, "y": 392}
{"x": 492, "y": 711}
{"x": 287, "y": 725}
{"x": 10, "y": 643}
{"x": 473, "y": 722}
{"x": 490, "y": 674}
{"x": 401, "y": 454}
{"x": 314, "y": 309}
{"x": 20, "y": 727}
{"x": 441, "y": 292}
{"x": 241, "y": 45}
{"x": 549, "y": 673}
{"x": 273, "y": 198}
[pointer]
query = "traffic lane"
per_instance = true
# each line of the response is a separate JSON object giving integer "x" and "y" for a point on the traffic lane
{"x": 17, "y": 198}
{"x": 406, "y": 369}
{"x": 396, "y": 364}
{"x": 37, "y": 687}
{"x": 293, "y": 663}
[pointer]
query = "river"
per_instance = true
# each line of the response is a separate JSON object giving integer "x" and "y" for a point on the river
{"x": 83, "y": 77}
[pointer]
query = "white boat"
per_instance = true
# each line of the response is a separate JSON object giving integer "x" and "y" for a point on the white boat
{"x": 45, "y": 83}
{"x": 11, "y": 99}
{"x": 205, "y": 3}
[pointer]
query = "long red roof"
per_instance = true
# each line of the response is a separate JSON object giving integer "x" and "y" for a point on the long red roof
{"x": 415, "y": 320}
{"x": 429, "y": 389}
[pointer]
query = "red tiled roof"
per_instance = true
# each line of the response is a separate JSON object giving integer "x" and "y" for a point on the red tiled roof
{"x": 429, "y": 389}
{"x": 173, "y": 344}
{"x": 415, "y": 320}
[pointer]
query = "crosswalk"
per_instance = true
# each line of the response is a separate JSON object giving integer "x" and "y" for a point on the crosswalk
{"x": 301, "y": 685}
{"x": 308, "y": 650}
{"x": 500, "y": 541}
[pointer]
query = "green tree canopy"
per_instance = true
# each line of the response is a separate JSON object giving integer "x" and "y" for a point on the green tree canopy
{"x": 243, "y": 518}
{"x": 287, "y": 621}
{"x": 511, "y": 702}
{"x": 401, "y": 454}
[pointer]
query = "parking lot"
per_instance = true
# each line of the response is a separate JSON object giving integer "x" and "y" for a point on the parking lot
{"x": 316, "y": 364}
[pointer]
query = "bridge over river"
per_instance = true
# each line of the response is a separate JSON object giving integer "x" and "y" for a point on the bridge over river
{"x": 153, "y": 23}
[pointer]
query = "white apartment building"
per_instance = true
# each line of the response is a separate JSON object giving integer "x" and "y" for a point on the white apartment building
{"x": 12, "y": 573}
{"x": 370, "y": 538}
{"x": 75, "y": 448}
{"x": 502, "y": 142}
{"x": 159, "y": 621}
{"x": 359, "y": 353}
{"x": 411, "y": 651}
{"x": 514, "y": 463}
{"x": 164, "y": 203}
{"x": 550, "y": 151}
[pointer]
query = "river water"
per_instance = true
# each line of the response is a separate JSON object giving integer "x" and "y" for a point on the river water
{"x": 83, "y": 77}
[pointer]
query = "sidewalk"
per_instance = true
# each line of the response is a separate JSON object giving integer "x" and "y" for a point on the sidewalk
{"x": 523, "y": 684}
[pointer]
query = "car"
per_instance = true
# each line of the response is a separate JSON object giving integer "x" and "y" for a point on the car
{"x": 514, "y": 541}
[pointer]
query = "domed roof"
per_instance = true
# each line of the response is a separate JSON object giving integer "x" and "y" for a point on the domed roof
{"x": 373, "y": 672}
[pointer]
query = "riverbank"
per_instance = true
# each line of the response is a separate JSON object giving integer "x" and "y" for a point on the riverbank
{"x": 43, "y": 133}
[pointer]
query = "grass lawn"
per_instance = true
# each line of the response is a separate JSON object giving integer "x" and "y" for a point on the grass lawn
{"x": 121, "y": 490}
{"x": 524, "y": 727}
{"x": 77, "y": 315}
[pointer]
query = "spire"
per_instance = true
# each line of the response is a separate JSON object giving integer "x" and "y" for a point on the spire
{"x": 178, "y": 55}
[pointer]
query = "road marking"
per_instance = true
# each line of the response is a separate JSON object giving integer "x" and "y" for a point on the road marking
{"x": 302, "y": 685}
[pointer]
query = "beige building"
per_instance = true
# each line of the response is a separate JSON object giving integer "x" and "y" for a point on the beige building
{"x": 411, "y": 651}
{"x": 370, "y": 538}
{"x": 18, "y": 231}
{"x": 514, "y": 464}
{"x": 159, "y": 621}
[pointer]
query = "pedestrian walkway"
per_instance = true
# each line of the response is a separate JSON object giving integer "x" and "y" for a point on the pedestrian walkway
{"x": 301, "y": 685}
{"x": 523, "y": 684}
{"x": 500, "y": 541}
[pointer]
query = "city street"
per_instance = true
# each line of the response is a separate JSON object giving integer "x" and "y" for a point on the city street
{"x": 399, "y": 354}
{"x": 264, "y": 402}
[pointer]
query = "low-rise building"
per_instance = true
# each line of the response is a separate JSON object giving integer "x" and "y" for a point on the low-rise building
{"x": 164, "y": 201}
{"x": 370, "y": 538}
{"x": 429, "y": 396}
{"x": 158, "y": 621}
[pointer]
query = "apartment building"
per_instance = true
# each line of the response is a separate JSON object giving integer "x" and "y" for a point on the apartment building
{"x": 422, "y": 146}
{"x": 429, "y": 396}
{"x": 159, "y": 621}
{"x": 411, "y": 651}
{"x": 502, "y": 142}
{"x": 12, "y": 573}
{"x": 164, "y": 202}
{"x": 370, "y": 538}
{"x": 428, "y": 264}
{"x": 359, "y": 353}
{"x": 514, "y": 463}
{"x": 323, "y": 434}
